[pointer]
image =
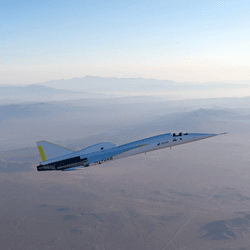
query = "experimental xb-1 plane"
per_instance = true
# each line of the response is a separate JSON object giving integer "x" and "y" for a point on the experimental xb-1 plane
{"x": 55, "y": 157}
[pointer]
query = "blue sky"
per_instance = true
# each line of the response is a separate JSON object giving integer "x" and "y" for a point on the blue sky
{"x": 174, "y": 40}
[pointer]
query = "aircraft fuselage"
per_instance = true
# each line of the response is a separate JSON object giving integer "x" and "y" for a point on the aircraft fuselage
{"x": 109, "y": 152}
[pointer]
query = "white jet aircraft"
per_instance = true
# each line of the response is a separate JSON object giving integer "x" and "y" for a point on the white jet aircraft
{"x": 55, "y": 157}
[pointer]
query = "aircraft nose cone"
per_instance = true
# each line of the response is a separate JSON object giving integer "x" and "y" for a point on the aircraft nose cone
{"x": 210, "y": 135}
{"x": 204, "y": 136}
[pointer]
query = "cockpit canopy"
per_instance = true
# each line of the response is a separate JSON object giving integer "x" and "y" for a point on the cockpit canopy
{"x": 180, "y": 134}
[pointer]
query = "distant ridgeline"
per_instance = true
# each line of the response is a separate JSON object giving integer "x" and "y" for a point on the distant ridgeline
{"x": 31, "y": 89}
{"x": 96, "y": 83}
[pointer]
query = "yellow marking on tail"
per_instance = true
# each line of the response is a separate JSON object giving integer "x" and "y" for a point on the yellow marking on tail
{"x": 41, "y": 153}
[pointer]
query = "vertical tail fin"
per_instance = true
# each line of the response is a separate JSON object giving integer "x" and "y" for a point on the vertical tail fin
{"x": 49, "y": 150}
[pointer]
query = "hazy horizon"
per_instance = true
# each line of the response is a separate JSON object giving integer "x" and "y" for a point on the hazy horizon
{"x": 77, "y": 73}
{"x": 108, "y": 87}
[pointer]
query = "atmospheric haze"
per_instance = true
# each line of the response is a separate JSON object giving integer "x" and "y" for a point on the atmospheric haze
{"x": 194, "y": 196}
{"x": 77, "y": 73}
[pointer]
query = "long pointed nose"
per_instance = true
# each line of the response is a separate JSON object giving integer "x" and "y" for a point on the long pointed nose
{"x": 212, "y": 135}
{"x": 208, "y": 135}
{"x": 201, "y": 136}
